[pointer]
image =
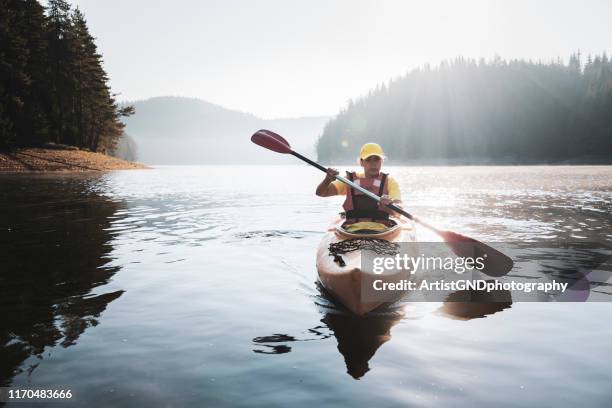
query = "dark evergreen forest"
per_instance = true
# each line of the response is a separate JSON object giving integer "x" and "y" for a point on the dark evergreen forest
{"x": 53, "y": 87}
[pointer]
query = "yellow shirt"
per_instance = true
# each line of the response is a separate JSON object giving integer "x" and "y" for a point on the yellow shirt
{"x": 392, "y": 187}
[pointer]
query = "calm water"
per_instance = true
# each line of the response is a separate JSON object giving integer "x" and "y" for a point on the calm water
{"x": 195, "y": 286}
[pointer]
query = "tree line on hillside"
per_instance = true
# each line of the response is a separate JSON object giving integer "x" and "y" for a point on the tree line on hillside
{"x": 497, "y": 111}
{"x": 53, "y": 87}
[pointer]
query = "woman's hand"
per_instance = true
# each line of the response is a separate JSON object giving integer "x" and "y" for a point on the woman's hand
{"x": 326, "y": 188}
{"x": 331, "y": 175}
{"x": 384, "y": 201}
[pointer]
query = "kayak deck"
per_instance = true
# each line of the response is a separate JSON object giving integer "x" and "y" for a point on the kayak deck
{"x": 345, "y": 283}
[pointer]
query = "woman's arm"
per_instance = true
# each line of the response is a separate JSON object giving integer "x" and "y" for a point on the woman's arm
{"x": 326, "y": 188}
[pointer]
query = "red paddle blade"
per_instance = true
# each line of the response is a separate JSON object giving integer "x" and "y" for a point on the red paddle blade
{"x": 495, "y": 262}
{"x": 271, "y": 141}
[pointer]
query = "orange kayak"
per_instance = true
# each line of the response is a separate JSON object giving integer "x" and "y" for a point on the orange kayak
{"x": 345, "y": 282}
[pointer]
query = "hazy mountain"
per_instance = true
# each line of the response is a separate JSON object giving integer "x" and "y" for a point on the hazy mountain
{"x": 177, "y": 130}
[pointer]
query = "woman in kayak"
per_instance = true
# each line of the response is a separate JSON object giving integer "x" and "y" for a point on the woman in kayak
{"x": 361, "y": 211}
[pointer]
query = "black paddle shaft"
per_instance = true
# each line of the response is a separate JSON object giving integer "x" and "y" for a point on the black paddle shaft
{"x": 307, "y": 160}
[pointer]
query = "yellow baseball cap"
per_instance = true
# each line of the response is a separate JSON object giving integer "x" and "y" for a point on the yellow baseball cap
{"x": 371, "y": 149}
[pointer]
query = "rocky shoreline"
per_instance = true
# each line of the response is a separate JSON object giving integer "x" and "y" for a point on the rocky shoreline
{"x": 61, "y": 160}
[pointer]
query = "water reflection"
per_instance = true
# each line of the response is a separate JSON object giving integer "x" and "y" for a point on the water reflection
{"x": 55, "y": 245}
{"x": 586, "y": 268}
{"x": 475, "y": 304}
{"x": 317, "y": 332}
{"x": 359, "y": 338}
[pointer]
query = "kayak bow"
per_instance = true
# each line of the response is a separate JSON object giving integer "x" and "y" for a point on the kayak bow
{"x": 345, "y": 281}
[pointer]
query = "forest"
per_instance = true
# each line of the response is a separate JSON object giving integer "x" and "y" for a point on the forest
{"x": 53, "y": 87}
{"x": 476, "y": 112}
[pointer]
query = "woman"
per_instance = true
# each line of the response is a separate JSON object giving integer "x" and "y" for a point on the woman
{"x": 362, "y": 212}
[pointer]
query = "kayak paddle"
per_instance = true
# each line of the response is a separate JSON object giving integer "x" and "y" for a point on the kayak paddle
{"x": 496, "y": 263}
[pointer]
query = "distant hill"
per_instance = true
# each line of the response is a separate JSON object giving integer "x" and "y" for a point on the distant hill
{"x": 178, "y": 130}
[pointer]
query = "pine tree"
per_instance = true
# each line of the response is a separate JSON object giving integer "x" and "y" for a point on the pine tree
{"x": 14, "y": 80}
{"x": 61, "y": 75}
{"x": 23, "y": 54}
{"x": 96, "y": 111}
{"x": 34, "y": 128}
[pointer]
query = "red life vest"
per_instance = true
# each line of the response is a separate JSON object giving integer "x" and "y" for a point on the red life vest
{"x": 358, "y": 205}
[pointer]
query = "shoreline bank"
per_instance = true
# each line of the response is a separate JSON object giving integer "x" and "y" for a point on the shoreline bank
{"x": 36, "y": 159}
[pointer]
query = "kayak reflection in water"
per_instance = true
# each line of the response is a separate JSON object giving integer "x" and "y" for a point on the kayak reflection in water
{"x": 361, "y": 211}
{"x": 359, "y": 338}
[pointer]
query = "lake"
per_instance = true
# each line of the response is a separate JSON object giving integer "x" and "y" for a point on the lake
{"x": 196, "y": 286}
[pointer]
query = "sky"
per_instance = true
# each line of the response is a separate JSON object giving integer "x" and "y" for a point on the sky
{"x": 308, "y": 58}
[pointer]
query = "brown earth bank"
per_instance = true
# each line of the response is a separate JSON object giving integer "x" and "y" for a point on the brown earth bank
{"x": 54, "y": 159}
